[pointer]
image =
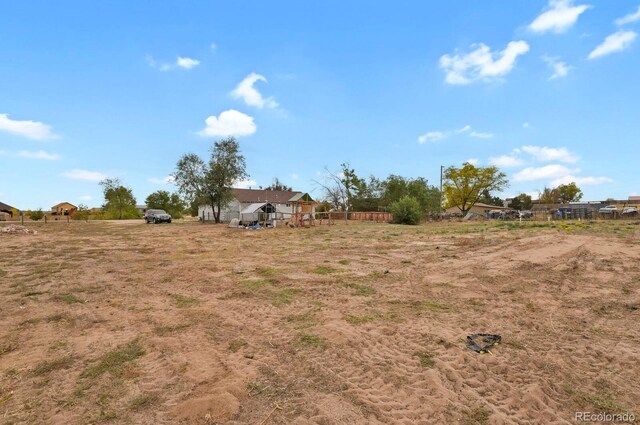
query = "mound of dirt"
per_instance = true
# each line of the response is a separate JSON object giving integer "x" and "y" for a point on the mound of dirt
{"x": 16, "y": 229}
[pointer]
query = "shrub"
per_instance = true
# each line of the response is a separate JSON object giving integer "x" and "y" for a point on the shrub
{"x": 36, "y": 215}
{"x": 406, "y": 210}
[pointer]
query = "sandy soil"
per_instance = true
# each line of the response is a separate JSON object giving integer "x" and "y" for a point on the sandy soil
{"x": 359, "y": 324}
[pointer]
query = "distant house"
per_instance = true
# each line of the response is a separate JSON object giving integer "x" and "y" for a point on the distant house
{"x": 249, "y": 201}
{"x": 5, "y": 208}
{"x": 478, "y": 208}
{"x": 141, "y": 208}
{"x": 63, "y": 208}
{"x": 634, "y": 200}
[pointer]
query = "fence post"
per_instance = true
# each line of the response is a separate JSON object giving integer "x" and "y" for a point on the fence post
{"x": 45, "y": 219}
{"x": 22, "y": 219}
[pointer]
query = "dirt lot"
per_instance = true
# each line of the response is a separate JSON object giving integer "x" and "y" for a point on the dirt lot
{"x": 366, "y": 323}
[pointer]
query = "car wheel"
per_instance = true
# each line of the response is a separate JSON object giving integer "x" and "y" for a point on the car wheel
{"x": 155, "y": 221}
{"x": 169, "y": 221}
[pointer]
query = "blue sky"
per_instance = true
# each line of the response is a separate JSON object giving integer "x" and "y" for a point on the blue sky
{"x": 546, "y": 90}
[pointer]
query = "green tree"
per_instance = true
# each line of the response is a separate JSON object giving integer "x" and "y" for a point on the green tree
{"x": 210, "y": 183}
{"x": 119, "y": 200}
{"x": 463, "y": 187}
{"x": 521, "y": 202}
{"x": 192, "y": 208}
{"x": 278, "y": 185}
{"x": 489, "y": 199}
{"x": 427, "y": 196}
{"x": 163, "y": 200}
{"x": 549, "y": 196}
{"x": 406, "y": 210}
{"x": 396, "y": 187}
{"x": 82, "y": 213}
{"x": 569, "y": 193}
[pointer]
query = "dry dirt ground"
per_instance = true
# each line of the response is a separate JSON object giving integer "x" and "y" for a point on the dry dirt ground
{"x": 128, "y": 323}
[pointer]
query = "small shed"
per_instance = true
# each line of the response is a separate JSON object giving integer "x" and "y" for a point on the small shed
{"x": 258, "y": 212}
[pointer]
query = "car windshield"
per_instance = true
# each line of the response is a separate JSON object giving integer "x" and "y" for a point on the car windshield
{"x": 156, "y": 212}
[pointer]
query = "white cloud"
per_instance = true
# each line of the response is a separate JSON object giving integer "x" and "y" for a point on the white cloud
{"x": 39, "y": 155}
{"x": 543, "y": 153}
{"x": 165, "y": 180}
{"x": 93, "y": 176}
{"x": 432, "y": 136}
{"x": 615, "y": 42}
{"x": 244, "y": 184}
{"x": 250, "y": 95}
{"x": 30, "y": 129}
{"x": 559, "y": 16}
{"x": 180, "y": 62}
{"x": 473, "y": 161}
{"x": 229, "y": 123}
{"x": 294, "y": 176}
{"x": 481, "y": 135}
{"x": 630, "y": 18}
{"x": 481, "y": 63}
{"x": 213, "y": 46}
{"x": 553, "y": 171}
{"x": 86, "y": 198}
{"x": 505, "y": 161}
{"x": 580, "y": 180}
{"x": 187, "y": 63}
{"x": 526, "y": 125}
{"x": 560, "y": 69}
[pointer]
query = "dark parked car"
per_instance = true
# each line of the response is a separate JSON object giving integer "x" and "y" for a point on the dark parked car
{"x": 157, "y": 216}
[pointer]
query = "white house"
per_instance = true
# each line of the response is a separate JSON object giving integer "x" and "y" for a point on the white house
{"x": 249, "y": 201}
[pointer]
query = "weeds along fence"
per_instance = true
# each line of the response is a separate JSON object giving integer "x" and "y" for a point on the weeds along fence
{"x": 46, "y": 219}
{"x": 254, "y": 217}
{"x": 375, "y": 217}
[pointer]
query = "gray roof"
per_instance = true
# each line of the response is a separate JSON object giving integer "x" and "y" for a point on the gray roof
{"x": 253, "y": 207}
{"x": 303, "y": 196}
{"x": 245, "y": 196}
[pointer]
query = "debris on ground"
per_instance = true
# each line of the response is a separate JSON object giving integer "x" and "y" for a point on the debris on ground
{"x": 16, "y": 229}
{"x": 482, "y": 343}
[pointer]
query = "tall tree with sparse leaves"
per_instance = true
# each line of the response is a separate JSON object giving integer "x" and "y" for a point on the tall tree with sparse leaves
{"x": 210, "y": 183}
{"x": 549, "y": 196}
{"x": 463, "y": 187}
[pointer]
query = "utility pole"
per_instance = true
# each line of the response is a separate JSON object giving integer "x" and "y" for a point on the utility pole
{"x": 441, "y": 170}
